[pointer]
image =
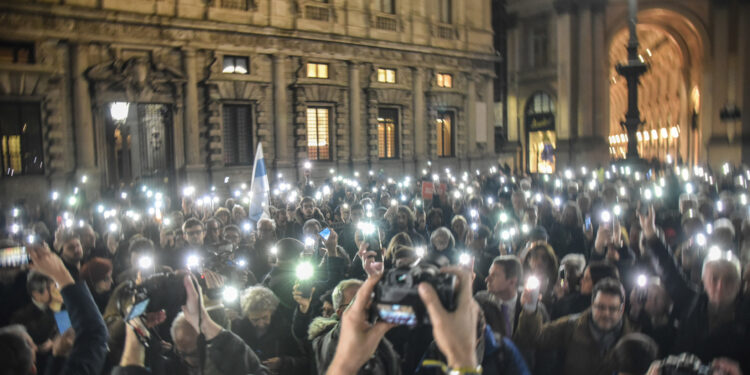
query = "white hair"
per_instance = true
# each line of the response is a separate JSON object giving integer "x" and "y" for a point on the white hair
{"x": 257, "y": 299}
{"x": 338, "y": 292}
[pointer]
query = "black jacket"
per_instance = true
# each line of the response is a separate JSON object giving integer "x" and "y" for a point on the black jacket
{"x": 40, "y": 324}
{"x": 226, "y": 354}
{"x": 277, "y": 341}
{"x": 730, "y": 339}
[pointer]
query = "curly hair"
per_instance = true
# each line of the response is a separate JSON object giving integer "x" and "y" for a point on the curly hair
{"x": 257, "y": 299}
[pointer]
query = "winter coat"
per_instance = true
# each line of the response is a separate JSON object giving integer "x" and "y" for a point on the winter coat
{"x": 226, "y": 354}
{"x": 324, "y": 334}
{"x": 731, "y": 339}
{"x": 277, "y": 341}
{"x": 583, "y": 354}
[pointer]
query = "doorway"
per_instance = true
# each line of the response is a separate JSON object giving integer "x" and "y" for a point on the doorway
{"x": 140, "y": 147}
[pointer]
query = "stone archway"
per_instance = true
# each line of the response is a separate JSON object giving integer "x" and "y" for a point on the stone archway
{"x": 673, "y": 43}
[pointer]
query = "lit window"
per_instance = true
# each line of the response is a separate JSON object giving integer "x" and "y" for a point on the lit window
{"x": 445, "y": 80}
{"x": 318, "y": 139}
{"x": 235, "y": 65}
{"x": 388, "y": 133}
{"x": 234, "y": 4}
{"x": 386, "y": 75}
{"x": 444, "y": 129}
{"x": 21, "y": 138}
{"x": 315, "y": 70}
{"x": 17, "y": 52}
{"x": 237, "y": 140}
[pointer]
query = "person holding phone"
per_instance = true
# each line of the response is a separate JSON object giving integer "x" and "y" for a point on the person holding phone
{"x": 87, "y": 354}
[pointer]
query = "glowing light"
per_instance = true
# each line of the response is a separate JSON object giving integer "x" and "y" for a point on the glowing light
{"x": 464, "y": 259}
{"x": 420, "y": 251}
{"x": 606, "y": 216}
{"x": 700, "y": 239}
{"x": 193, "y": 261}
{"x": 145, "y": 261}
{"x": 188, "y": 191}
{"x": 304, "y": 271}
{"x": 230, "y": 294}
{"x": 532, "y": 283}
{"x": 642, "y": 281}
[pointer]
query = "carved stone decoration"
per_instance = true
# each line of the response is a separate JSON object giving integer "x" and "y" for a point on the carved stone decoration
{"x": 138, "y": 77}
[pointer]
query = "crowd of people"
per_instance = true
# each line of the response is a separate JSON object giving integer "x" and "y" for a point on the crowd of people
{"x": 625, "y": 269}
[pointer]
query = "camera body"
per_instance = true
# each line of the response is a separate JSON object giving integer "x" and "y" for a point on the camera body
{"x": 397, "y": 300}
{"x": 684, "y": 364}
{"x": 161, "y": 291}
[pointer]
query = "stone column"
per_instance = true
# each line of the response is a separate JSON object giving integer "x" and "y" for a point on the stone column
{"x": 566, "y": 100}
{"x": 281, "y": 122}
{"x": 585, "y": 74}
{"x": 489, "y": 98}
{"x": 601, "y": 74}
{"x": 357, "y": 134}
{"x": 84, "y": 128}
{"x": 192, "y": 131}
{"x": 420, "y": 131}
{"x": 471, "y": 118}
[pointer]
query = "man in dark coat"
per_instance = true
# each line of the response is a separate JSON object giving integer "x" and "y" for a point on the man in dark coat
{"x": 588, "y": 338}
{"x": 715, "y": 322}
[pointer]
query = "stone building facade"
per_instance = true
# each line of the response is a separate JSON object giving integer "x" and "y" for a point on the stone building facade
{"x": 197, "y": 85}
{"x": 564, "y": 91}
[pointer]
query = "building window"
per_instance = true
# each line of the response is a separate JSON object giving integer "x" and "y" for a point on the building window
{"x": 386, "y": 75}
{"x": 318, "y": 135}
{"x": 387, "y": 6}
{"x": 388, "y": 133}
{"x": 317, "y": 12}
{"x": 22, "y": 53}
{"x": 234, "y": 4}
{"x": 21, "y": 138}
{"x": 444, "y": 129}
{"x": 444, "y": 80}
{"x": 445, "y": 9}
{"x": 236, "y": 65}
{"x": 238, "y": 137}
{"x": 317, "y": 70}
{"x": 538, "y": 52}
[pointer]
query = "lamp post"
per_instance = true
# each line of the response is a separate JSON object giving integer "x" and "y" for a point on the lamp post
{"x": 632, "y": 71}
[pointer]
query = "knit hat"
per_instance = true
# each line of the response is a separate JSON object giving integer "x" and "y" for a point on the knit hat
{"x": 96, "y": 270}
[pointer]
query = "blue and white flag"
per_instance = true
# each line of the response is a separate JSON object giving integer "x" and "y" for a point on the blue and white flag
{"x": 259, "y": 188}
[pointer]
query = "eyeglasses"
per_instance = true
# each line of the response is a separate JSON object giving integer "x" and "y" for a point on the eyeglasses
{"x": 194, "y": 232}
{"x": 610, "y": 309}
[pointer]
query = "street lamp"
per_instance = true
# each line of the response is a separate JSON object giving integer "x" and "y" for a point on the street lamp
{"x": 119, "y": 111}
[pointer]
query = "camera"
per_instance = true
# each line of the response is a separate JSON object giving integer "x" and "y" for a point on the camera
{"x": 161, "y": 291}
{"x": 396, "y": 299}
{"x": 684, "y": 364}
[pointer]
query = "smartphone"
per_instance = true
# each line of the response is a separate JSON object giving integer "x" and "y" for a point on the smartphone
{"x": 63, "y": 321}
{"x": 373, "y": 244}
{"x": 137, "y": 310}
{"x": 587, "y": 222}
{"x": 15, "y": 256}
{"x": 325, "y": 233}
